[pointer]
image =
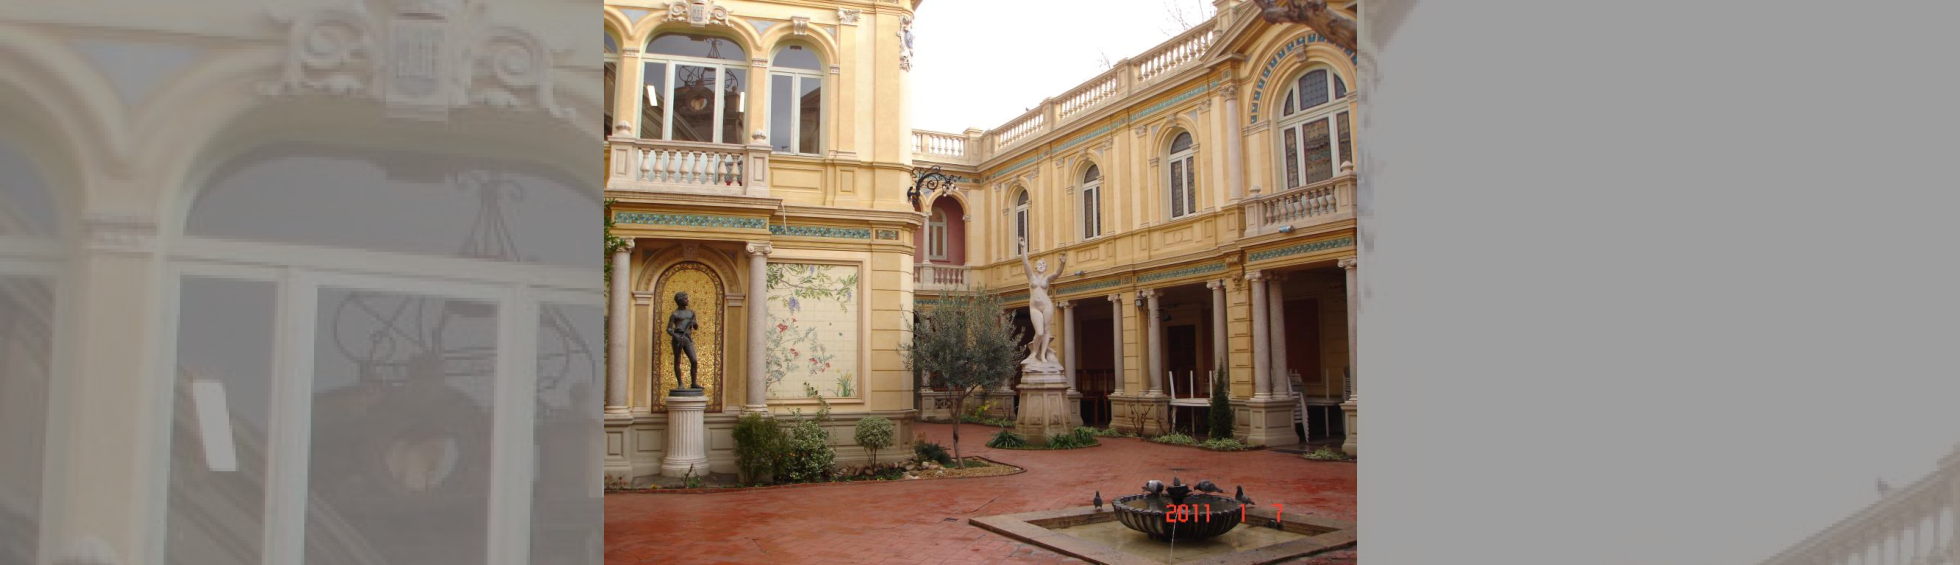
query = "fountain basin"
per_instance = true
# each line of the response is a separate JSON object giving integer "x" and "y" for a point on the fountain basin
{"x": 1196, "y": 517}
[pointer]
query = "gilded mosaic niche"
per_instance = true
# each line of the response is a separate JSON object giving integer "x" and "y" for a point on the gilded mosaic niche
{"x": 709, "y": 302}
{"x": 812, "y": 336}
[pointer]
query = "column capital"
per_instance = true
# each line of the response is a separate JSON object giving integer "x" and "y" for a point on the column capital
{"x": 1116, "y": 298}
{"x": 1216, "y": 284}
{"x": 1348, "y": 262}
{"x": 1255, "y": 275}
{"x": 761, "y": 249}
{"x": 1275, "y": 276}
{"x": 1065, "y": 304}
{"x": 1148, "y": 293}
{"x": 626, "y": 243}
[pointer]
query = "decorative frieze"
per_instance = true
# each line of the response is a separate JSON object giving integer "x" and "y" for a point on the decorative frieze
{"x": 1308, "y": 247}
{"x": 690, "y": 220}
{"x": 1207, "y": 268}
{"x": 1092, "y": 286}
{"x": 848, "y": 17}
{"x": 820, "y": 231}
{"x": 888, "y": 235}
{"x": 697, "y": 13}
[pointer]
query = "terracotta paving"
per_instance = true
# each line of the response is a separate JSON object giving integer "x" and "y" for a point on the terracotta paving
{"x": 924, "y": 522}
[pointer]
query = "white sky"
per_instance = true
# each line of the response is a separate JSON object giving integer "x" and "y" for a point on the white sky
{"x": 979, "y": 63}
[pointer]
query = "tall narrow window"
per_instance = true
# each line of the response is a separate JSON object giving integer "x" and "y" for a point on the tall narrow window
{"x": 612, "y": 83}
{"x": 694, "y": 88}
{"x": 936, "y": 235}
{"x": 1315, "y": 138}
{"x": 1184, "y": 176}
{"x": 795, "y": 101}
{"x": 1092, "y": 203}
{"x": 1020, "y": 244}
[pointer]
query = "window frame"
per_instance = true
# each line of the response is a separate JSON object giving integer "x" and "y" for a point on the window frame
{"x": 614, "y": 60}
{"x": 670, "y": 66}
{"x": 1295, "y": 121}
{"x": 1021, "y": 220}
{"x": 1092, "y": 224}
{"x": 1188, "y": 160}
{"x": 937, "y": 235}
{"x": 797, "y": 76}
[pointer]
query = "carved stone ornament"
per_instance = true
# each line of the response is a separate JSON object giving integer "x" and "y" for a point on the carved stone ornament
{"x": 905, "y": 42}
{"x": 421, "y": 57}
{"x": 691, "y": 251}
{"x": 697, "y": 13}
{"x": 800, "y": 25}
{"x": 848, "y": 17}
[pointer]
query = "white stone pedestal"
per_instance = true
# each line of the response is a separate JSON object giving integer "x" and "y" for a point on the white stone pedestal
{"x": 687, "y": 437}
{"x": 1352, "y": 410}
{"x": 1044, "y": 406}
{"x": 1271, "y": 422}
{"x": 1075, "y": 408}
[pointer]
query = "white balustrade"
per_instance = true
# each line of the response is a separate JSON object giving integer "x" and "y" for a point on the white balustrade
{"x": 1092, "y": 94}
{"x": 929, "y": 277}
{"x": 1325, "y": 201}
{"x": 675, "y": 166}
{"x": 1184, "y": 48}
{"x": 935, "y": 144}
{"x": 1918, "y": 523}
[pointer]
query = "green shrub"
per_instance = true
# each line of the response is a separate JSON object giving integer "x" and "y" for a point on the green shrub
{"x": 809, "y": 453}
{"x": 1072, "y": 440}
{"x": 1220, "y": 414}
{"x": 1223, "y": 444}
{"x": 1007, "y": 439}
{"x": 1325, "y": 454}
{"x": 1108, "y": 432}
{"x": 1174, "y": 439}
{"x": 760, "y": 446}
{"x": 875, "y": 433}
{"x": 931, "y": 451}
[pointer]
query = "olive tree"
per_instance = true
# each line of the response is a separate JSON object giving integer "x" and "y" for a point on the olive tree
{"x": 970, "y": 342}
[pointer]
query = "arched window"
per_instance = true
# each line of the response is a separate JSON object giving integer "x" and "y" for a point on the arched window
{"x": 694, "y": 89}
{"x": 936, "y": 235}
{"x": 1091, "y": 202}
{"x": 612, "y": 81}
{"x": 1020, "y": 244}
{"x": 1184, "y": 176}
{"x": 795, "y": 100}
{"x": 1314, "y": 134}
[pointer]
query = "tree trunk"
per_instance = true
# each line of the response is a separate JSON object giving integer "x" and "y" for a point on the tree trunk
{"x": 959, "y": 408}
{"x": 1337, "y": 28}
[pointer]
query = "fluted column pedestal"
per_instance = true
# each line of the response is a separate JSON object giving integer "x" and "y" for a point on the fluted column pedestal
{"x": 1352, "y": 408}
{"x": 687, "y": 437}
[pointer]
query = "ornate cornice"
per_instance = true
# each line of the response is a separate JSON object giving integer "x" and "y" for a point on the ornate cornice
{"x": 422, "y": 58}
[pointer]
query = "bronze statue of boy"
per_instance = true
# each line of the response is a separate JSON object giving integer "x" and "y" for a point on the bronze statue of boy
{"x": 681, "y": 326}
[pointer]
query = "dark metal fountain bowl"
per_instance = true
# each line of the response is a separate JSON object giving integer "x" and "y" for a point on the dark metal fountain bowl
{"x": 1147, "y": 514}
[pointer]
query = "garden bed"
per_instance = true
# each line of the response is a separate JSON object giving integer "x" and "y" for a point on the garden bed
{"x": 976, "y": 467}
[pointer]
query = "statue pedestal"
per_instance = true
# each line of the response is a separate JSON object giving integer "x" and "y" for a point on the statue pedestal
{"x": 687, "y": 437}
{"x": 1044, "y": 404}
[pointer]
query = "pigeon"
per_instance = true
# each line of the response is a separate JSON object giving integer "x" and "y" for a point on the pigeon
{"x": 1883, "y": 487}
{"x": 1154, "y": 487}
{"x": 1098, "y": 501}
{"x": 1206, "y": 486}
{"x": 1242, "y": 498}
{"x": 1176, "y": 482}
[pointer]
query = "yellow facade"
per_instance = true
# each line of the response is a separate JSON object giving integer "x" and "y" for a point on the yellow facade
{"x": 689, "y": 194}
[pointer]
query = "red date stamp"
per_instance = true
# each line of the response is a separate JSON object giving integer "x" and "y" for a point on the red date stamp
{"x": 1190, "y": 512}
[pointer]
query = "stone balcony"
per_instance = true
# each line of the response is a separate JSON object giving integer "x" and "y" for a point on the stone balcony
{"x": 929, "y": 277}
{"x": 649, "y": 165}
{"x": 1323, "y": 202}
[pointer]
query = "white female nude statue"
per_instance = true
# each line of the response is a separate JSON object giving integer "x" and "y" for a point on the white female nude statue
{"x": 1041, "y": 308}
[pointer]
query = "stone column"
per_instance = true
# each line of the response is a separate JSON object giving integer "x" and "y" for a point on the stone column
{"x": 1352, "y": 407}
{"x": 1234, "y": 155}
{"x": 1116, "y": 326}
{"x": 687, "y": 437}
{"x": 1068, "y": 361}
{"x": 758, "y": 310}
{"x": 1261, "y": 338}
{"x": 1219, "y": 345}
{"x": 622, "y": 316}
{"x": 1154, "y": 350}
{"x": 1276, "y": 323}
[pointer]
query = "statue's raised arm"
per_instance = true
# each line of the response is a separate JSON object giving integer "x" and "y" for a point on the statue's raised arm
{"x": 1026, "y": 264}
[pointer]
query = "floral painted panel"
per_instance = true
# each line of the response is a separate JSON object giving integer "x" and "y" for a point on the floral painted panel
{"x": 813, "y": 331}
